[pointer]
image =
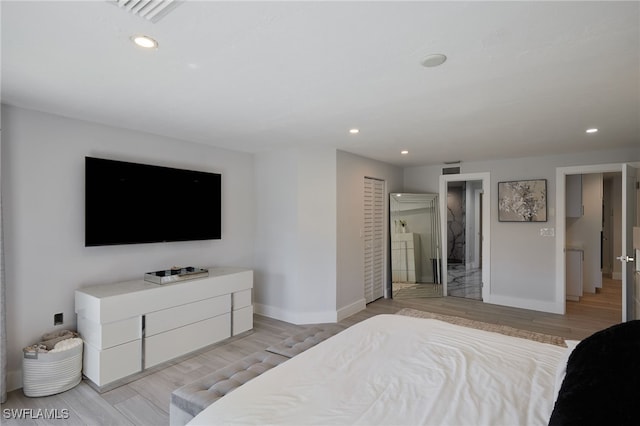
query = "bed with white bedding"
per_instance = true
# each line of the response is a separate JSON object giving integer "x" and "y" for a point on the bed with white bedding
{"x": 399, "y": 370}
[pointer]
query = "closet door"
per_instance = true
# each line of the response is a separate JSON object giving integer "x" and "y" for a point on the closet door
{"x": 373, "y": 234}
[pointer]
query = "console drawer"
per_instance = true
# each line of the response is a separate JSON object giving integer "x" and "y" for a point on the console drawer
{"x": 108, "y": 335}
{"x": 169, "y": 319}
{"x": 241, "y": 299}
{"x": 108, "y": 365}
{"x": 165, "y": 346}
{"x": 242, "y": 320}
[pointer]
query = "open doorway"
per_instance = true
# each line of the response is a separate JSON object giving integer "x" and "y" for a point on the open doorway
{"x": 466, "y": 235}
{"x": 629, "y": 196}
{"x": 593, "y": 239}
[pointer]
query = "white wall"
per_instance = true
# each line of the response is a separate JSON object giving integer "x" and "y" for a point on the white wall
{"x": 351, "y": 171}
{"x": 522, "y": 261}
{"x": 296, "y": 234}
{"x": 317, "y": 233}
{"x": 276, "y": 260}
{"x": 43, "y": 203}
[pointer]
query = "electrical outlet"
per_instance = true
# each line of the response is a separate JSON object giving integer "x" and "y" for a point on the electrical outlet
{"x": 57, "y": 319}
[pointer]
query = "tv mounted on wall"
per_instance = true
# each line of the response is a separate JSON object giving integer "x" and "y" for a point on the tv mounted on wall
{"x": 131, "y": 203}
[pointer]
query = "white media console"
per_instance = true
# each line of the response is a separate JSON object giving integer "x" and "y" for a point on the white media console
{"x": 130, "y": 326}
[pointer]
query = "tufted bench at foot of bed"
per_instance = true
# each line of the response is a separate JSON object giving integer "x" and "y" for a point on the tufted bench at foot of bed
{"x": 190, "y": 399}
{"x": 304, "y": 340}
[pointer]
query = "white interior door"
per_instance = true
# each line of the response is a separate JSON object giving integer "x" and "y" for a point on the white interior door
{"x": 629, "y": 291}
{"x": 374, "y": 208}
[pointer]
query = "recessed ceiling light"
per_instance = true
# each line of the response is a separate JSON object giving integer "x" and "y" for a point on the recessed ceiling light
{"x": 433, "y": 60}
{"x": 145, "y": 41}
{"x": 405, "y": 152}
{"x": 592, "y": 130}
{"x": 354, "y": 131}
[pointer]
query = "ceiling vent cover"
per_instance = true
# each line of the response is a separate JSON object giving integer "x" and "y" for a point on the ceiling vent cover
{"x": 451, "y": 170}
{"x": 151, "y": 10}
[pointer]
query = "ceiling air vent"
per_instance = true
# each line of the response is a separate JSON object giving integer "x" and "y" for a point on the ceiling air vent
{"x": 151, "y": 10}
{"x": 452, "y": 169}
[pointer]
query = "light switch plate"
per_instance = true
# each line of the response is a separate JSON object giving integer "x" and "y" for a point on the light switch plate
{"x": 547, "y": 232}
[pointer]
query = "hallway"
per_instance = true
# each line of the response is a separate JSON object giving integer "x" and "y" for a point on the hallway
{"x": 463, "y": 282}
{"x": 604, "y": 304}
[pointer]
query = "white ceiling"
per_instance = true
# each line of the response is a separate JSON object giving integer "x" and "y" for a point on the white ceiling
{"x": 521, "y": 79}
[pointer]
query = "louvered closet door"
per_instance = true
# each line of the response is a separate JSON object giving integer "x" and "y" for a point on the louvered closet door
{"x": 373, "y": 239}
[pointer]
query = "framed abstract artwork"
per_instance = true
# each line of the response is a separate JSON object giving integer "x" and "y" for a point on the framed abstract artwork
{"x": 522, "y": 201}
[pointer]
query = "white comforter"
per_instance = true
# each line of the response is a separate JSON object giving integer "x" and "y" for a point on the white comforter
{"x": 397, "y": 370}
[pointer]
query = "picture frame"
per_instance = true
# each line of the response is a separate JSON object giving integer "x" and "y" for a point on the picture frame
{"x": 522, "y": 201}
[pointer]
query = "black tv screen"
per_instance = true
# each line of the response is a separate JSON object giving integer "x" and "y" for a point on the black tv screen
{"x": 131, "y": 203}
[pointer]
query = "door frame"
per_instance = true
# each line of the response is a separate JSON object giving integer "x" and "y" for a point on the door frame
{"x": 629, "y": 220}
{"x": 561, "y": 174}
{"x": 477, "y": 217}
{"x": 485, "y": 178}
{"x": 607, "y": 228}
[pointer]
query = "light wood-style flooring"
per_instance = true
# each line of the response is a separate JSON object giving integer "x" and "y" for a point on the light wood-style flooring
{"x": 146, "y": 401}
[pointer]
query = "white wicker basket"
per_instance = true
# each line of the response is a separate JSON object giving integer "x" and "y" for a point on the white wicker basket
{"x": 48, "y": 373}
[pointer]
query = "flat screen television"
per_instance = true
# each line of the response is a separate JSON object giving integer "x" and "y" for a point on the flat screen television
{"x": 131, "y": 203}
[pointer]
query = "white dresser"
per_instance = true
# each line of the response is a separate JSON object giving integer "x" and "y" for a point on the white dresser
{"x": 405, "y": 257}
{"x": 130, "y": 326}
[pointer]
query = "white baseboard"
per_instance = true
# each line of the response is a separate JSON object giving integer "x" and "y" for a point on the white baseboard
{"x": 351, "y": 309}
{"x": 274, "y": 312}
{"x": 318, "y": 317}
{"x": 534, "y": 305}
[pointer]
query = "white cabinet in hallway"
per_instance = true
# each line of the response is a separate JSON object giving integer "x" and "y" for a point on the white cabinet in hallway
{"x": 574, "y": 196}
{"x": 574, "y": 260}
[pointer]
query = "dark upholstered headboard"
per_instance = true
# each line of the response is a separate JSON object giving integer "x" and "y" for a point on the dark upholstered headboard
{"x": 602, "y": 381}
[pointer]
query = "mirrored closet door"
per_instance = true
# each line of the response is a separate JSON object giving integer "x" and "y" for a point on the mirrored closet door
{"x": 415, "y": 245}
